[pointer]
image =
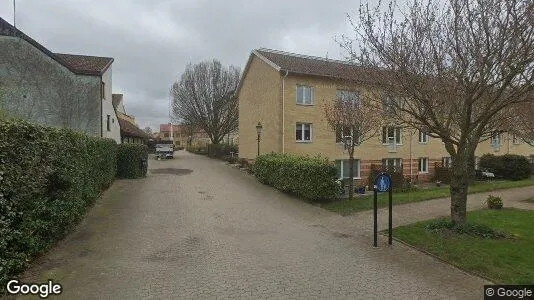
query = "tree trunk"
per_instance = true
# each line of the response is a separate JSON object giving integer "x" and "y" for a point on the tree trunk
{"x": 351, "y": 173}
{"x": 460, "y": 176}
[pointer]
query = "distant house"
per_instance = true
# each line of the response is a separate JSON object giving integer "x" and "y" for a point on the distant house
{"x": 130, "y": 133}
{"x": 183, "y": 135}
{"x": 55, "y": 89}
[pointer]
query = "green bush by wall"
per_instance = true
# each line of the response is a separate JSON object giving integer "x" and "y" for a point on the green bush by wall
{"x": 509, "y": 166}
{"x": 48, "y": 178}
{"x": 221, "y": 150}
{"x": 132, "y": 161}
{"x": 306, "y": 177}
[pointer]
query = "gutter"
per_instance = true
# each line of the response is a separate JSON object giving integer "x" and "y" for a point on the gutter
{"x": 283, "y": 113}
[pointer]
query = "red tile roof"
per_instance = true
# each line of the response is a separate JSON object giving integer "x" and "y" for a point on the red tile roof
{"x": 130, "y": 130}
{"x": 84, "y": 64}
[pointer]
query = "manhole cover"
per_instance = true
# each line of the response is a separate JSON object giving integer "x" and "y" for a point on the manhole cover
{"x": 171, "y": 171}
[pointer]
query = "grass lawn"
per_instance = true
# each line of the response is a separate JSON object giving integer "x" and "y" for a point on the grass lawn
{"x": 505, "y": 261}
{"x": 348, "y": 206}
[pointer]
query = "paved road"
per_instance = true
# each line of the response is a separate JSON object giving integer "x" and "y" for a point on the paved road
{"x": 211, "y": 231}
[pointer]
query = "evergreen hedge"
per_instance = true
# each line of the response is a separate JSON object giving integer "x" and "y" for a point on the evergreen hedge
{"x": 48, "y": 179}
{"x": 310, "y": 178}
{"x": 508, "y": 166}
{"x": 132, "y": 161}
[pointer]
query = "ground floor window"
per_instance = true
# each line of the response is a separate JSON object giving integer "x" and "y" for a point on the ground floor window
{"x": 423, "y": 165}
{"x": 477, "y": 162}
{"x": 447, "y": 162}
{"x": 343, "y": 168}
{"x": 395, "y": 163}
{"x": 303, "y": 132}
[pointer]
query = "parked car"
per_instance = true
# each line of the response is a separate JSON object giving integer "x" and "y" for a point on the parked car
{"x": 485, "y": 174}
{"x": 164, "y": 150}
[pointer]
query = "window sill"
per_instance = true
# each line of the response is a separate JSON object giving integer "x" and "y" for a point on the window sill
{"x": 355, "y": 178}
{"x": 304, "y": 142}
{"x": 305, "y": 104}
{"x": 423, "y": 143}
{"x": 388, "y": 144}
{"x": 420, "y": 172}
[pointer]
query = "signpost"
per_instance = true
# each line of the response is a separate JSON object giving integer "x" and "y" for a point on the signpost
{"x": 382, "y": 185}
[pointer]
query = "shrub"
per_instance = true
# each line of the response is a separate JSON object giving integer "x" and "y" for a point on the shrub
{"x": 508, "y": 166}
{"x": 494, "y": 202}
{"x": 132, "y": 161}
{"x": 477, "y": 230}
{"x": 308, "y": 178}
{"x": 221, "y": 150}
{"x": 48, "y": 178}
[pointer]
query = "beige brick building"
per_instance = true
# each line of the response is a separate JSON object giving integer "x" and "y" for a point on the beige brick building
{"x": 286, "y": 92}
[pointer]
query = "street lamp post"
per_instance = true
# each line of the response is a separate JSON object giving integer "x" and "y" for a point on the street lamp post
{"x": 258, "y": 131}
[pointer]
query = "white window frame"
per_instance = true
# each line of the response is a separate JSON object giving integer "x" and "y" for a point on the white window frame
{"x": 303, "y": 100}
{"x": 302, "y": 140}
{"x": 397, "y": 162}
{"x": 357, "y": 170}
{"x": 424, "y": 165}
{"x": 516, "y": 140}
{"x": 446, "y": 161}
{"x": 344, "y": 133}
{"x": 477, "y": 162}
{"x": 423, "y": 137}
{"x": 496, "y": 139}
{"x": 351, "y": 95}
{"x": 397, "y": 130}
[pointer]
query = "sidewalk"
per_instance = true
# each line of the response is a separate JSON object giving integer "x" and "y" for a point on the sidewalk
{"x": 404, "y": 214}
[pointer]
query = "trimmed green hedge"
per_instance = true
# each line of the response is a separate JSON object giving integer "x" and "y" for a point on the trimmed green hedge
{"x": 132, "y": 161}
{"x": 221, "y": 150}
{"x": 509, "y": 166}
{"x": 306, "y": 177}
{"x": 48, "y": 179}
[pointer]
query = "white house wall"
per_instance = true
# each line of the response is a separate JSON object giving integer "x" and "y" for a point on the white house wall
{"x": 35, "y": 87}
{"x": 107, "y": 109}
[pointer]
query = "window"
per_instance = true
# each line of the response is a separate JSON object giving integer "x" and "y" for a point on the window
{"x": 390, "y": 105}
{"x": 165, "y": 135}
{"x": 516, "y": 140}
{"x": 347, "y": 131}
{"x": 423, "y": 137}
{"x": 392, "y": 163}
{"x": 103, "y": 90}
{"x": 348, "y": 96}
{"x": 303, "y": 132}
{"x": 447, "y": 162}
{"x": 390, "y": 133}
{"x": 108, "y": 123}
{"x": 496, "y": 139}
{"x": 477, "y": 162}
{"x": 423, "y": 165}
{"x": 304, "y": 95}
{"x": 343, "y": 168}
{"x": 531, "y": 159}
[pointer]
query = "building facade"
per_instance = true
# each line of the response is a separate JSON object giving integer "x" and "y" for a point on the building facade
{"x": 55, "y": 89}
{"x": 183, "y": 135}
{"x": 287, "y": 93}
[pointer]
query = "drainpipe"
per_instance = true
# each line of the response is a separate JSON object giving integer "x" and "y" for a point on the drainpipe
{"x": 411, "y": 163}
{"x": 283, "y": 112}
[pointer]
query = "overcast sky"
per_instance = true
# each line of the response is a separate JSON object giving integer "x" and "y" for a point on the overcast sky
{"x": 152, "y": 41}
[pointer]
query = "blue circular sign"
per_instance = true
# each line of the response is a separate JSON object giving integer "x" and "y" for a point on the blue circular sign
{"x": 383, "y": 182}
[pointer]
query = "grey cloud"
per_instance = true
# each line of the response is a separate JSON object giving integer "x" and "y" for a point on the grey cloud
{"x": 153, "y": 40}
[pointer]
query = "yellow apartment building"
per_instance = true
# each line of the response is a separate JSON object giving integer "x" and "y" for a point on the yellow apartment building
{"x": 286, "y": 93}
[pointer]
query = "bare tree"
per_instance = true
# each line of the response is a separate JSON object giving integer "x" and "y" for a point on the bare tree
{"x": 355, "y": 119}
{"x": 459, "y": 68}
{"x": 204, "y": 97}
{"x": 148, "y": 130}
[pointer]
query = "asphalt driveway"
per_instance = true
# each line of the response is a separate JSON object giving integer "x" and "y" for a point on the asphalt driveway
{"x": 197, "y": 228}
